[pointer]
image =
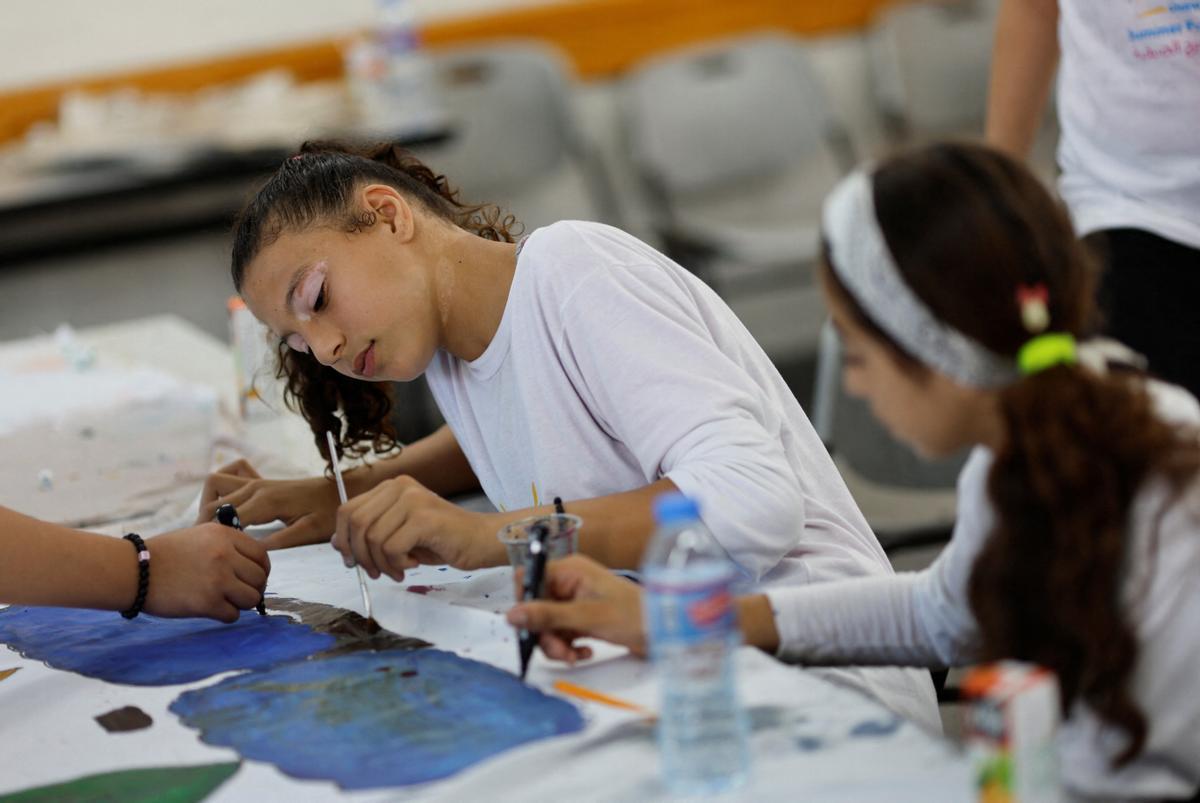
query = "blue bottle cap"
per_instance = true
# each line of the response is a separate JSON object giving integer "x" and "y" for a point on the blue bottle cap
{"x": 673, "y": 507}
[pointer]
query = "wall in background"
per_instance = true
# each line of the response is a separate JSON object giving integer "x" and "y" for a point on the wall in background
{"x": 49, "y": 42}
{"x": 601, "y": 37}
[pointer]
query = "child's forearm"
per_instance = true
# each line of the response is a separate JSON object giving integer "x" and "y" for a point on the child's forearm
{"x": 616, "y": 528}
{"x": 436, "y": 461}
{"x": 757, "y": 622}
{"x": 46, "y": 564}
{"x": 1024, "y": 59}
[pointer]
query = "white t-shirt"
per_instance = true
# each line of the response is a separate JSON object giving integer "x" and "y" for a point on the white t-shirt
{"x": 614, "y": 367}
{"x": 924, "y": 619}
{"x": 1129, "y": 107}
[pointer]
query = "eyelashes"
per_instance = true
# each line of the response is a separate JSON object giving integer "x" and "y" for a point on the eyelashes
{"x": 295, "y": 341}
{"x": 313, "y": 304}
{"x": 313, "y": 294}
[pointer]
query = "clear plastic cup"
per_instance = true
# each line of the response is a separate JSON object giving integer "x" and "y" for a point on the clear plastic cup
{"x": 563, "y": 539}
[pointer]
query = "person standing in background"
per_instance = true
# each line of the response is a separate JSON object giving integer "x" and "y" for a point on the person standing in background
{"x": 1129, "y": 109}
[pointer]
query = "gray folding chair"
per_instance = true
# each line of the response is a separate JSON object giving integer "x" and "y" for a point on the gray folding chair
{"x": 908, "y": 501}
{"x": 929, "y": 64}
{"x": 736, "y": 146}
{"x": 515, "y": 136}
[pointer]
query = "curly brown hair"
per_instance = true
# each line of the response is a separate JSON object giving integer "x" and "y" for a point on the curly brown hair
{"x": 316, "y": 188}
{"x": 966, "y": 225}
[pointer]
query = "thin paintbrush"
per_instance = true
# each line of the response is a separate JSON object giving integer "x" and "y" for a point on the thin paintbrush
{"x": 341, "y": 489}
{"x": 535, "y": 573}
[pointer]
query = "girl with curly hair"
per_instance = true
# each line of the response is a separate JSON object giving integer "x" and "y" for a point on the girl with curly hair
{"x": 577, "y": 362}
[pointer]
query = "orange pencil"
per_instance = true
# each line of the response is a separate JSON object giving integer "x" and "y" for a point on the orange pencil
{"x": 584, "y": 693}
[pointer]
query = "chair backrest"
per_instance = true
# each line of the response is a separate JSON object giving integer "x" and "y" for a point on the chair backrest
{"x": 930, "y": 63}
{"x": 720, "y": 124}
{"x": 515, "y": 137}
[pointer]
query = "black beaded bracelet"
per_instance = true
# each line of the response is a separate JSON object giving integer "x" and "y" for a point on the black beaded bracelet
{"x": 143, "y": 556}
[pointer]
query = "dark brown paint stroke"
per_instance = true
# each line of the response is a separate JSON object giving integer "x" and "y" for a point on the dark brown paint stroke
{"x": 122, "y": 720}
{"x": 354, "y": 632}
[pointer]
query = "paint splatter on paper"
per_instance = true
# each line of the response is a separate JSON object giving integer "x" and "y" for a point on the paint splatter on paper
{"x": 123, "y": 720}
{"x": 174, "y": 784}
{"x": 148, "y": 651}
{"x": 877, "y": 727}
{"x": 375, "y": 719}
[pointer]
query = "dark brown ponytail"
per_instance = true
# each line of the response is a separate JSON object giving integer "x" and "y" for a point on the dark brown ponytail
{"x": 966, "y": 226}
{"x": 1047, "y": 585}
{"x": 315, "y": 187}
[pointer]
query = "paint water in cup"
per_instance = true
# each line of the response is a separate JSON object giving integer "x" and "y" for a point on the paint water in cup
{"x": 693, "y": 635}
{"x": 562, "y": 531}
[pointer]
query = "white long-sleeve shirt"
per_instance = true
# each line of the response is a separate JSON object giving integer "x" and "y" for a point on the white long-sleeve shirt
{"x": 924, "y": 619}
{"x": 614, "y": 367}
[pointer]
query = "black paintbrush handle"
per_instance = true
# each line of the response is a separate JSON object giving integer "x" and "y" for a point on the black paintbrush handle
{"x": 534, "y": 573}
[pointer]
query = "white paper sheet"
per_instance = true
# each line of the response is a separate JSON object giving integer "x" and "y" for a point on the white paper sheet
{"x": 48, "y": 735}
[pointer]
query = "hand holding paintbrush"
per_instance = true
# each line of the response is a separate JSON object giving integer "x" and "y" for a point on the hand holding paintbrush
{"x": 227, "y": 515}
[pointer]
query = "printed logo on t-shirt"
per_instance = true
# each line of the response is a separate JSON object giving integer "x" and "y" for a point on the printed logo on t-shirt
{"x": 1158, "y": 30}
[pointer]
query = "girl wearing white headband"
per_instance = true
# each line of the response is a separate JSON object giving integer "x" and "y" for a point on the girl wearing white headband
{"x": 959, "y": 290}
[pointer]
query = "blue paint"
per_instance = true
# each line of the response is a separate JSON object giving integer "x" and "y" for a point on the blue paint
{"x": 365, "y": 721}
{"x": 876, "y": 728}
{"x": 809, "y": 744}
{"x": 148, "y": 651}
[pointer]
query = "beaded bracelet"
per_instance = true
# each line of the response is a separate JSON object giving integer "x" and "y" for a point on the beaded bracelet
{"x": 143, "y": 556}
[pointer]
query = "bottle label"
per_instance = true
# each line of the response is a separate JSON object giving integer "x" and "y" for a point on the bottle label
{"x": 679, "y": 610}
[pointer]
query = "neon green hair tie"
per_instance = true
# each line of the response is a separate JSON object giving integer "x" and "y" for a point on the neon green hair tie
{"x": 1046, "y": 351}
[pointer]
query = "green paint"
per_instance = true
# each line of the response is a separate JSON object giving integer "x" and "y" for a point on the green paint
{"x": 165, "y": 784}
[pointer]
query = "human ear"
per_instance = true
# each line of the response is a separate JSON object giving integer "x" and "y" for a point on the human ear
{"x": 391, "y": 208}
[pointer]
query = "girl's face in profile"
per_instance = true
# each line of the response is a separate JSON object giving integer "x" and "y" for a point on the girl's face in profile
{"x": 919, "y": 406}
{"x": 361, "y": 302}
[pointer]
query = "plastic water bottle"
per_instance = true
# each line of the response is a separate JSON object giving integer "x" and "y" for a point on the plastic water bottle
{"x": 392, "y": 81}
{"x": 693, "y": 634}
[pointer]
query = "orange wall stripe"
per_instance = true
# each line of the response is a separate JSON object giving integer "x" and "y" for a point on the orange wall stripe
{"x": 605, "y": 37}
{"x": 602, "y": 37}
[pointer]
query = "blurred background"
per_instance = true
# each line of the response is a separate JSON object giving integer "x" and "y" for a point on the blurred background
{"x": 132, "y": 130}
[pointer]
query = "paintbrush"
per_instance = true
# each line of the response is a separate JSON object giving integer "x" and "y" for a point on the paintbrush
{"x": 535, "y": 570}
{"x": 341, "y": 489}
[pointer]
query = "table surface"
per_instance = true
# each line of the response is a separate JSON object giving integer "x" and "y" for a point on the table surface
{"x": 812, "y": 740}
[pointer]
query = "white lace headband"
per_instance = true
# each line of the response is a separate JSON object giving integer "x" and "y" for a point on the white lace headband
{"x": 864, "y": 265}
